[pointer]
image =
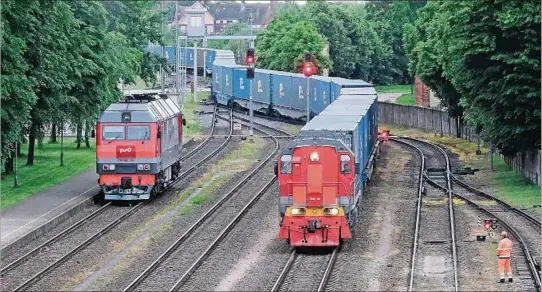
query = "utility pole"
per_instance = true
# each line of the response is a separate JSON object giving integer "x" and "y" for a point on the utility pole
{"x": 250, "y": 76}
{"x": 308, "y": 71}
{"x": 15, "y": 180}
{"x": 162, "y": 77}
{"x": 62, "y": 143}
{"x": 195, "y": 70}
{"x": 177, "y": 57}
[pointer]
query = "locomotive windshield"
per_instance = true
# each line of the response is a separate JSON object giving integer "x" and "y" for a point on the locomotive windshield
{"x": 138, "y": 132}
{"x": 113, "y": 133}
{"x": 119, "y": 133}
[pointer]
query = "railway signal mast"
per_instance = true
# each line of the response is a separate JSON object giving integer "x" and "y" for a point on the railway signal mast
{"x": 308, "y": 70}
{"x": 250, "y": 76}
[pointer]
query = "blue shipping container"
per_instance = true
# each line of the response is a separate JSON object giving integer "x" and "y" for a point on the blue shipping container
{"x": 283, "y": 95}
{"x": 262, "y": 86}
{"x": 241, "y": 89}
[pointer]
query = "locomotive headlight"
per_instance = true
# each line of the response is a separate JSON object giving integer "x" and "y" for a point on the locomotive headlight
{"x": 298, "y": 211}
{"x": 315, "y": 156}
{"x": 147, "y": 167}
{"x": 331, "y": 211}
{"x": 111, "y": 167}
{"x": 140, "y": 167}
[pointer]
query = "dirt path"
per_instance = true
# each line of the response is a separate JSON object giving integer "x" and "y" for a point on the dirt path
{"x": 389, "y": 97}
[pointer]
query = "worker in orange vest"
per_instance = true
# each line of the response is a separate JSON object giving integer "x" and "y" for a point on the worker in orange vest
{"x": 504, "y": 251}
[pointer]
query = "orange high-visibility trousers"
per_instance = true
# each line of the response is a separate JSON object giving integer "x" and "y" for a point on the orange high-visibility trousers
{"x": 505, "y": 267}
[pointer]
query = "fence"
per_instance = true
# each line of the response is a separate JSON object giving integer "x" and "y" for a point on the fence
{"x": 528, "y": 163}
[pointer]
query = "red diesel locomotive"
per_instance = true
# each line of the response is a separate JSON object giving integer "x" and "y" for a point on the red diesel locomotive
{"x": 323, "y": 172}
{"x": 138, "y": 146}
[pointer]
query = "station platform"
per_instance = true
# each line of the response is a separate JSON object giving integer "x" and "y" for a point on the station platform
{"x": 23, "y": 218}
{"x": 41, "y": 212}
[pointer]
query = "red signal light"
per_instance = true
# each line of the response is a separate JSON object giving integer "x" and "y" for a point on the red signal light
{"x": 308, "y": 69}
{"x": 250, "y": 56}
{"x": 487, "y": 224}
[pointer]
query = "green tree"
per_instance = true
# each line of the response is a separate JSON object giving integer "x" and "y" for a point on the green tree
{"x": 425, "y": 47}
{"x": 496, "y": 68}
{"x": 18, "y": 21}
{"x": 287, "y": 43}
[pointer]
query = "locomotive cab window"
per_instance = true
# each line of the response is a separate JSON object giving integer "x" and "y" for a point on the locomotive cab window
{"x": 345, "y": 164}
{"x": 113, "y": 132}
{"x": 139, "y": 133}
{"x": 286, "y": 164}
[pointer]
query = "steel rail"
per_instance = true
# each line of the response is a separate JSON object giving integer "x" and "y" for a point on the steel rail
{"x": 222, "y": 235}
{"x": 54, "y": 239}
{"x": 448, "y": 190}
{"x": 329, "y": 268}
{"x": 81, "y": 246}
{"x": 96, "y": 213}
{"x": 418, "y": 213}
{"x": 284, "y": 271}
{"x": 286, "y": 133}
{"x": 529, "y": 258}
{"x": 173, "y": 247}
{"x": 478, "y": 192}
{"x": 204, "y": 142}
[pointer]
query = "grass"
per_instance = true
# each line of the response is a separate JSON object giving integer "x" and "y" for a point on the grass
{"x": 139, "y": 84}
{"x": 503, "y": 181}
{"x": 397, "y": 88}
{"x": 46, "y": 171}
{"x": 234, "y": 162}
{"x": 406, "y": 99}
{"x": 192, "y": 127}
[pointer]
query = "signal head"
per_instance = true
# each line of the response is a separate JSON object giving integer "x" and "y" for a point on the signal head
{"x": 250, "y": 56}
{"x": 308, "y": 69}
{"x": 250, "y": 73}
{"x": 308, "y": 57}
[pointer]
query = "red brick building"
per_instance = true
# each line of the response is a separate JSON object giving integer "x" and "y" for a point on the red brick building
{"x": 423, "y": 93}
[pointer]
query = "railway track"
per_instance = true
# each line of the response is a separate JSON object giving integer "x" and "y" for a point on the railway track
{"x": 522, "y": 227}
{"x": 434, "y": 210}
{"x": 303, "y": 271}
{"x": 54, "y": 260}
{"x": 170, "y": 263}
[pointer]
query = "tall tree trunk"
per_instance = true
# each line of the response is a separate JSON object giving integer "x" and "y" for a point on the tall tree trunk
{"x": 19, "y": 149}
{"x": 53, "y": 133}
{"x": 8, "y": 167}
{"x": 31, "y": 143}
{"x": 87, "y": 132}
{"x": 79, "y": 134}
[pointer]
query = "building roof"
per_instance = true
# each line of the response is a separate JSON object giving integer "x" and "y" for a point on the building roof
{"x": 241, "y": 11}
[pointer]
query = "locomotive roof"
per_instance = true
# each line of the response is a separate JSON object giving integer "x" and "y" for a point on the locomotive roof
{"x": 142, "y": 108}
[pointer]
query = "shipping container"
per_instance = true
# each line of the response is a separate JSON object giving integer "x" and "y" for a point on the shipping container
{"x": 241, "y": 88}
{"x": 282, "y": 94}
{"x": 262, "y": 86}
{"x": 210, "y": 58}
{"x": 226, "y": 80}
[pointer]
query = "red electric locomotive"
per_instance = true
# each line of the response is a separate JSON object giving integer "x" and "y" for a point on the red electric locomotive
{"x": 138, "y": 146}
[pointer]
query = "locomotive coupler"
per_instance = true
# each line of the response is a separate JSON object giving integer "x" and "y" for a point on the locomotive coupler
{"x": 314, "y": 224}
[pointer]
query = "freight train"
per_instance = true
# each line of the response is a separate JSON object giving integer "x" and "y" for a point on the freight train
{"x": 138, "y": 146}
{"x": 323, "y": 172}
